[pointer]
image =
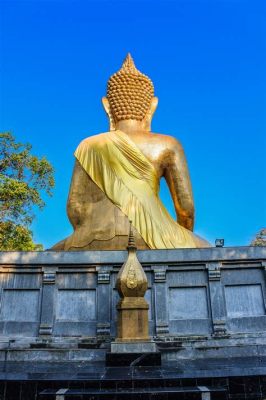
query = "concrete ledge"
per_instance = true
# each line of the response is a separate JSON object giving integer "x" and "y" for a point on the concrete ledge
{"x": 133, "y": 347}
{"x": 145, "y": 256}
{"x": 53, "y": 355}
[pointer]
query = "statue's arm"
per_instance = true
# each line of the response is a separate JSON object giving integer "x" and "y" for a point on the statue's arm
{"x": 76, "y": 203}
{"x": 177, "y": 177}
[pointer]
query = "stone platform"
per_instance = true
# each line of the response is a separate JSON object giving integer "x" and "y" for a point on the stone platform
{"x": 206, "y": 306}
{"x": 242, "y": 379}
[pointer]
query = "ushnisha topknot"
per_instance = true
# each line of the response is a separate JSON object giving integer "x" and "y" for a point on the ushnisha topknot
{"x": 129, "y": 92}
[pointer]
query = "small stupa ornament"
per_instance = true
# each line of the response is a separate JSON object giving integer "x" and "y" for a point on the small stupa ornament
{"x": 131, "y": 280}
{"x": 132, "y": 308}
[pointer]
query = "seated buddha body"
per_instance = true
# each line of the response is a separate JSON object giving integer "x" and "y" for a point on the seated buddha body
{"x": 117, "y": 174}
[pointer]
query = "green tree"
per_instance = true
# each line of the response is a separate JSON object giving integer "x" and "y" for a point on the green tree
{"x": 260, "y": 238}
{"x": 24, "y": 179}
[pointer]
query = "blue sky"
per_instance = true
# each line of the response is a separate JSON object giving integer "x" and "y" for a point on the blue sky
{"x": 207, "y": 61}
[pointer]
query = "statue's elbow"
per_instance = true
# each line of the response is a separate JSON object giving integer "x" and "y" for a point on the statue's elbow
{"x": 187, "y": 210}
{"x": 73, "y": 212}
{"x": 185, "y": 217}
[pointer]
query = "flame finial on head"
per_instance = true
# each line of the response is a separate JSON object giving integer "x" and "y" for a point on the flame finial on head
{"x": 129, "y": 65}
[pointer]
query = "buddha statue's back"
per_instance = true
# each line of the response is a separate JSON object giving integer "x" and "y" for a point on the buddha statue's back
{"x": 116, "y": 177}
{"x": 98, "y": 224}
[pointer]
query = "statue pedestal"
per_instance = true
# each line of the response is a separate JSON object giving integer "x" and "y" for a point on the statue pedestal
{"x": 200, "y": 315}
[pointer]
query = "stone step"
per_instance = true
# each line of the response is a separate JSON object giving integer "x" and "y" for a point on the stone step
{"x": 132, "y": 359}
{"x": 203, "y": 392}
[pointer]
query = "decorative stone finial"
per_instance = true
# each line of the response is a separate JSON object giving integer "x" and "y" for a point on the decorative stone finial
{"x": 131, "y": 238}
{"x": 131, "y": 280}
{"x": 132, "y": 283}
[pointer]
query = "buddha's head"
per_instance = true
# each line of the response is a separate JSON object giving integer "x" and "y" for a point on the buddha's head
{"x": 130, "y": 96}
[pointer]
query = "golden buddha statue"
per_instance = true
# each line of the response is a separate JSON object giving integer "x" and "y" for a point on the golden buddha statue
{"x": 117, "y": 174}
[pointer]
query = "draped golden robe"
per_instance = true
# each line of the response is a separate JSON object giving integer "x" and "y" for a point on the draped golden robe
{"x": 130, "y": 181}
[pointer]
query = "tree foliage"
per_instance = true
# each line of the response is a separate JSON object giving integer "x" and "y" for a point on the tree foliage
{"x": 16, "y": 237}
{"x": 260, "y": 238}
{"x": 24, "y": 179}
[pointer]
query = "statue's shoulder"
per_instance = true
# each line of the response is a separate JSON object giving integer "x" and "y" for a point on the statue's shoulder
{"x": 98, "y": 138}
{"x": 167, "y": 141}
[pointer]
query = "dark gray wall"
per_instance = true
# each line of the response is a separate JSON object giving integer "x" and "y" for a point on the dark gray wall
{"x": 214, "y": 291}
